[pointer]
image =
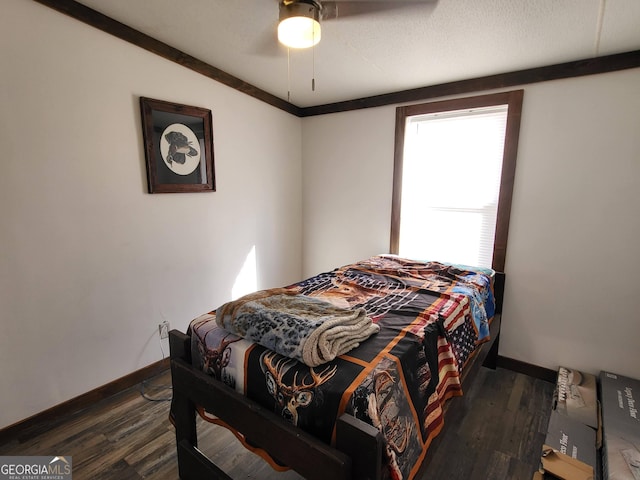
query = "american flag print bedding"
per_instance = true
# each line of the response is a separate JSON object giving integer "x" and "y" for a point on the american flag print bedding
{"x": 432, "y": 316}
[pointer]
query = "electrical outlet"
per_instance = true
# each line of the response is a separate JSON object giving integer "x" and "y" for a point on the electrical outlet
{"x": 163, "y": 329}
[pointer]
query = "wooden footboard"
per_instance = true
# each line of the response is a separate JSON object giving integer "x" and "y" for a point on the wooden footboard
{"x": 359, "y": 446}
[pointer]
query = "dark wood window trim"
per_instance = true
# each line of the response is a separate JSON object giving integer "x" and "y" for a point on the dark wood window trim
{"x": 514, "y": 100}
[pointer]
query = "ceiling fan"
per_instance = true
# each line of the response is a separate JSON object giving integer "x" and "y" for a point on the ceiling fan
{"x": 299, "y": 20}
{"x": 299, "y": 24}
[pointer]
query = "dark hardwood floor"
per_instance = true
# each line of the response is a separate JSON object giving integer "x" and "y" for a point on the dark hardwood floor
{"x": 498, "y": 435}
{"x": 499, "y": 432}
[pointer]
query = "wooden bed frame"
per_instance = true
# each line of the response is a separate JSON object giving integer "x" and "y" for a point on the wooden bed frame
{"x": 358, "y": 453}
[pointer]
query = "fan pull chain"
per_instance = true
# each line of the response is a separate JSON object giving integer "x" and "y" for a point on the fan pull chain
{"x": 313, "y": 63}
{"x": 288, "y": 75}
{"x": 596, "y": 43}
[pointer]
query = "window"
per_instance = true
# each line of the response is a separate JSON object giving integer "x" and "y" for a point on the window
{"x": 453, "y": 179}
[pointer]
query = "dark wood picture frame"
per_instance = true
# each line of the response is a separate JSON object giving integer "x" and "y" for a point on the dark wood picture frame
{"x": 178, "y": 142}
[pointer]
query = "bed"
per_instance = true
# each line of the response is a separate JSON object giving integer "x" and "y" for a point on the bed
{"x": 370, "y": 412}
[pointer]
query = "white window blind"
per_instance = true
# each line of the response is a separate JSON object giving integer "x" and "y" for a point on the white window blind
{"x": 450, "y": 185}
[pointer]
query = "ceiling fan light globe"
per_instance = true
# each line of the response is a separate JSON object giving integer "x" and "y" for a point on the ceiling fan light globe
{"x": 299, "y": 32}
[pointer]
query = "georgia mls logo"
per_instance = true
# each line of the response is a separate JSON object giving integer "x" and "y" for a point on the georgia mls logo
{"x": 64, "y": 463}
{"x": 35, "y": 468}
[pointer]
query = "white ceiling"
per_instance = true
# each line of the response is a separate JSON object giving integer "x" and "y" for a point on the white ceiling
{"x": 431, "y": 43}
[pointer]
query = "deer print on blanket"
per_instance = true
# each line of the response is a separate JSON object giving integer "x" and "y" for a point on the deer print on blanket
{"x": 290, "y": 396}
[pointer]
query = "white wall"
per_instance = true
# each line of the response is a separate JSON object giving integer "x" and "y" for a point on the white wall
{"x": 90, "y": 263}
{"x": 573, "y": 256}
{"x": 347, "y": 185}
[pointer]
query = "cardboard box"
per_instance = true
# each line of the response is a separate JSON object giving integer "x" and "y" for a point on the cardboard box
{"x": 576, "y": 395}
{"x": 564, "y": 467}
{"x": 620, "y": 399}
{"x": 569, "y": 450}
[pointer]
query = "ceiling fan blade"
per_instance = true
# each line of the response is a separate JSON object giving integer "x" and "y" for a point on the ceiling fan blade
{"x": 352, "y": 8}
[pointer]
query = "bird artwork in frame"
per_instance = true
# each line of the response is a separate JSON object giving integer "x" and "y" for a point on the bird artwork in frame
{"x": 178, "y": 141}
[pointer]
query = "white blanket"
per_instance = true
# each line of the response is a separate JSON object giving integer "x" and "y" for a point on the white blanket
{"x": 297, "y": 326}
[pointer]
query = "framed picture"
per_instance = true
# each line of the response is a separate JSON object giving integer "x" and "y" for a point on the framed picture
{"x": 178, "y": 142}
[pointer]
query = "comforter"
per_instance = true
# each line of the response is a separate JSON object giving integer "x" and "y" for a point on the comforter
{"x": 431, "y": 317}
